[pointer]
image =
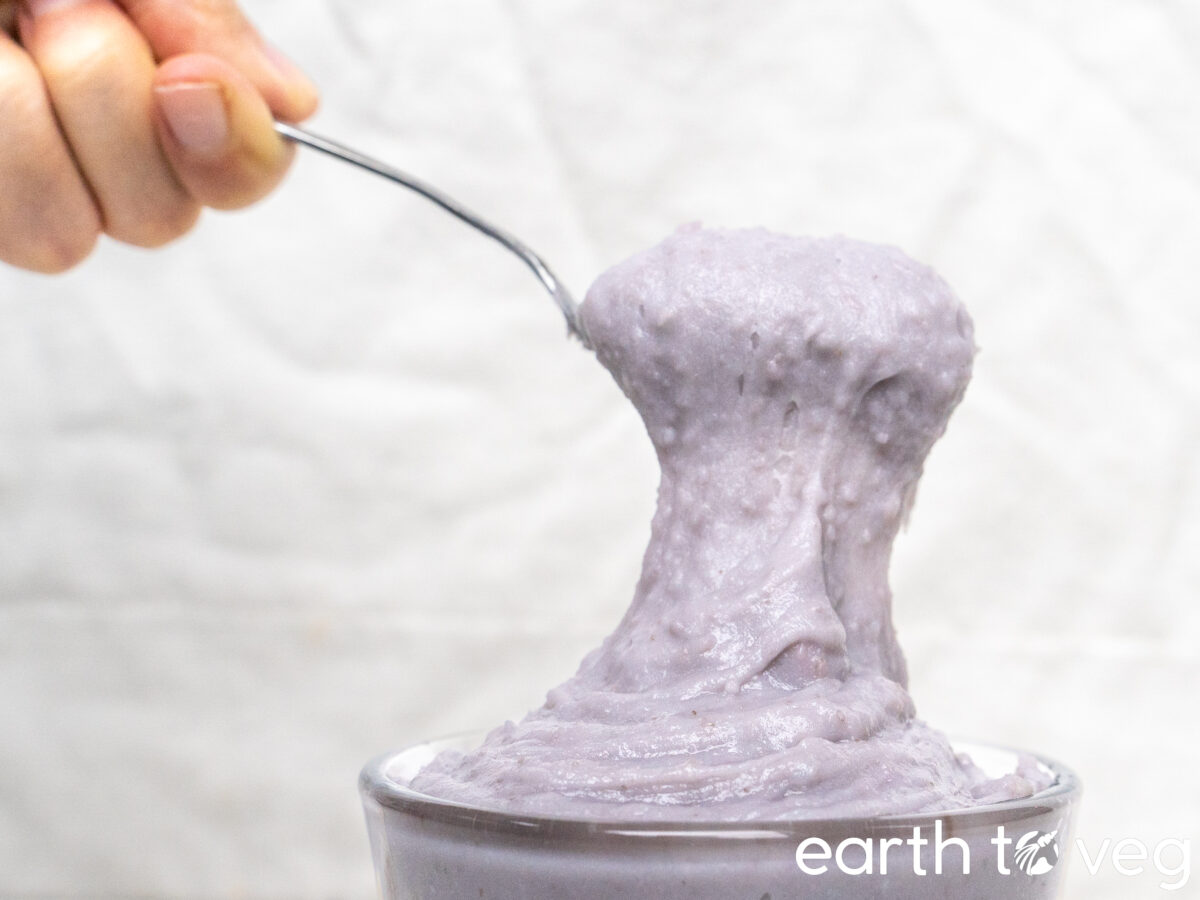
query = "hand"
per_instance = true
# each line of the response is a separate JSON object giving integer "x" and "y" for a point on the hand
{"x": 125, "y": 118}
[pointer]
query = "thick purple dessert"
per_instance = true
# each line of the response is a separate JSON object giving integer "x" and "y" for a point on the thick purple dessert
{"x": 792, "y": 388}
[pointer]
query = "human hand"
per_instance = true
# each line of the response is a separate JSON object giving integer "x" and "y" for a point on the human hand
{"x": 126, "y": 118}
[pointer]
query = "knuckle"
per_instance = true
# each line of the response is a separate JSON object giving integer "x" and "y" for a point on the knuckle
{"x": 77, "y": 57}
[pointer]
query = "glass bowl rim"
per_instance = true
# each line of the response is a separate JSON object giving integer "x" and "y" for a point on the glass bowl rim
{"x": 375, "y": 782}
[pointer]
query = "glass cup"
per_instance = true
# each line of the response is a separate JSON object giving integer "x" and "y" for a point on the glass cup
{"x": 430, "y": 849}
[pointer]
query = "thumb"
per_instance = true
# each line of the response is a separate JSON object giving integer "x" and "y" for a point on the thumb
{"x": 219, "y": 28}
{"x": 217, "y": 132}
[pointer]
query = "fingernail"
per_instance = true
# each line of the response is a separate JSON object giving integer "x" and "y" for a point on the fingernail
{"x": 196, "y": 115}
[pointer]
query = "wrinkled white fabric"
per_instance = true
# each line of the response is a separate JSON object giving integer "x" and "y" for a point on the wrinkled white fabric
{"x": 284, "y": 496}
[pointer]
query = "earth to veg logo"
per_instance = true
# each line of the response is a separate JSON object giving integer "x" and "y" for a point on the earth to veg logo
{"x": 1036, "y": 852}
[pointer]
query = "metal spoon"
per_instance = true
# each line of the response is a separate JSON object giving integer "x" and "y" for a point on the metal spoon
{"x": 566, "y": 303}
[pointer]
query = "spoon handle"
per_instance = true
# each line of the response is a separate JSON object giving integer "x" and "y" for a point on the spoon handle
{"x": 549, "y": 280}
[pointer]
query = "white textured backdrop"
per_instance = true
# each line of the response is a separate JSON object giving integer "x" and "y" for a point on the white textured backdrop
{"x": 326, "y": 478}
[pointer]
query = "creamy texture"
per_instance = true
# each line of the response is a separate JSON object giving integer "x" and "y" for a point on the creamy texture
{"x": 792, "y": 389}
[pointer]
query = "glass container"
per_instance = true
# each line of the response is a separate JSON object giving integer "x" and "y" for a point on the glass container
{"x": 425, "y": 848}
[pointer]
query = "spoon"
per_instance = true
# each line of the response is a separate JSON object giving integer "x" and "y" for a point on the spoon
{"x": 566, "y": 303}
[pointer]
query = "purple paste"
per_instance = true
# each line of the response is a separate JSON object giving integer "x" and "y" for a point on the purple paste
{"x": 792, "y": 388}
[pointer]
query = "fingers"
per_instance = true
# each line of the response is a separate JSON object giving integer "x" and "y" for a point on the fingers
{"x": 218, "y": 132}
{"x": 218, "y": 28}
{"x": 48, "y": 222}
{"x": 98, "y": 71}
{"x": 96, "y": 136}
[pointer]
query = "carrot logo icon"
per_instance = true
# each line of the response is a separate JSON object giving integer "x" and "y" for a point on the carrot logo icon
{"x": 1036, "y": 853}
